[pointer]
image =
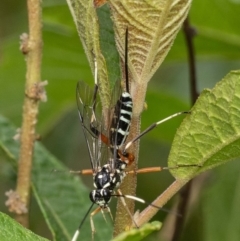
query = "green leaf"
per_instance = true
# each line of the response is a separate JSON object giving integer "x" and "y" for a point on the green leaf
{"x": 210, "y": 135}
{"x": 140, "y": 233}
{"x": 64, "y": 63}
{"x": 95, "y": 30}
{"x": 62, "y": 197}
{"x": 108, "y": 45}
{"x": 11, "y": 230}
{"x": 153, "y": 26}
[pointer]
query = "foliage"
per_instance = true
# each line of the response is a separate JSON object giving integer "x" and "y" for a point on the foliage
{"x": 11, "y": 230}
{"x": 217, "y": 49}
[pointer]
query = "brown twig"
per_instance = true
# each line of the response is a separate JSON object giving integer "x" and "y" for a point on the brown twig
{"x": 189, "y": 33}
{"x": 160, "y": 201}
{"x": 31, "y": 47}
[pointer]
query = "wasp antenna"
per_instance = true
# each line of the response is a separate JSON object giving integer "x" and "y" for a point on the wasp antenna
{"x": 76, "y": 234}
{"x": 126, "y": 61}
{"x": 154, "y": 125}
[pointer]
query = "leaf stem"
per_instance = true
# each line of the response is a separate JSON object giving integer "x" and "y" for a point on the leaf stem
{"x": 31, "y": 47}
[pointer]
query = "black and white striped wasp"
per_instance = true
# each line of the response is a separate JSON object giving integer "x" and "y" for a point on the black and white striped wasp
{"x": 108, "y": 177}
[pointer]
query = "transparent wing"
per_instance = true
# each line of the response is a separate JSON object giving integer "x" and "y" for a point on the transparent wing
{"x": 89, "y": 108}
{"x": 112, "y": 152}
{"x": 112, "y": 122}
{"x": 94, "y": 125}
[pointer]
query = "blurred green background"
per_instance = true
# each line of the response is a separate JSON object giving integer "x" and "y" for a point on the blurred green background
{"x": 214, "y": 208}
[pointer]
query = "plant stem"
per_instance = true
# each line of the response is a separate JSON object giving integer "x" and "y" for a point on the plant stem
{"x": 123, "y": 220}
{"x": 185, "y": 193}
{"x": 160, "y": 201}
{"x": 32, "y": 48}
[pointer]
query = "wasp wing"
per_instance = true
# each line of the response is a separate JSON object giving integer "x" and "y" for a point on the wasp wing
{"x": 89, "y": 108}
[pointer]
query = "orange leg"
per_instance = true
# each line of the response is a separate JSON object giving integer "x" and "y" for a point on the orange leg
{"x": 159, "y": 169}
{"x": 84, "y": 172}
{"x": 147, "y": 170}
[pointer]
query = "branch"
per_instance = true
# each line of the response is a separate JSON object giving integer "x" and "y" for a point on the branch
{"x": 31, "y": 47}
{"x": 160, "y": 201}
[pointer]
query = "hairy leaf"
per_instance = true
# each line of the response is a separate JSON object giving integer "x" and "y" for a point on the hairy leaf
{"x": 210, "y": 135}
{"x": 153, "y": 26}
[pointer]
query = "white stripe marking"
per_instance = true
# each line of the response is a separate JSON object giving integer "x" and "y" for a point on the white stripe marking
{"x": 122, "y": 132}
{"x": 126, "y": 112}
{"x": 127, "y": 103}
{"x": 122, "y": 118}
{"x": 126, "y": 94}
